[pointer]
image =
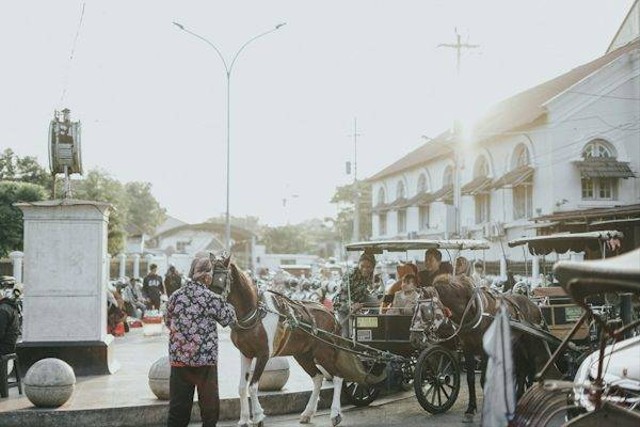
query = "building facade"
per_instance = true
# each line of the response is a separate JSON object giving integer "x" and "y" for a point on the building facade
{"x": 571, "y": 144}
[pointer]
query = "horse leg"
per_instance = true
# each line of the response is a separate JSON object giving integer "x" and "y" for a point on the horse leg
{"x": 256, "y": 408}
{"x": 307, "y": 363}
{"x": 245, "y": 371}
{"x": 336, "y": 410}
{"x": 470, "y": 367}
{"x": 483, "y": 369}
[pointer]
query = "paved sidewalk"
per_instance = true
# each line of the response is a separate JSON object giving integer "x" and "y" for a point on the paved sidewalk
{"x": 124, "y": 398}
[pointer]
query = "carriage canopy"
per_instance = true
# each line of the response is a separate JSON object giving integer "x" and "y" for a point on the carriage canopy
{"x": 561, "y": 243}
{"x": 378, "y": 246}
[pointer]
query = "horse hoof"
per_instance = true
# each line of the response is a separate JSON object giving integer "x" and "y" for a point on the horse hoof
{"x": 337, "y": 420}
{"x": 243, "y": 425}
{"x": 305, "y": 419}
{"x": 468, "y": 417}
{"x": 260, "y": 424}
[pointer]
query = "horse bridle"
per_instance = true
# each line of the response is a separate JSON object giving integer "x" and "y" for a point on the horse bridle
{"x": 218, "y": 271}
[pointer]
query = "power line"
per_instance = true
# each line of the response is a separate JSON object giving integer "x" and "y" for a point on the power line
{"x": 65, "y": 83}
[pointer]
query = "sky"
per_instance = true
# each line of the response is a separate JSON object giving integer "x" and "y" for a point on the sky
{"x": 152, "y": 98}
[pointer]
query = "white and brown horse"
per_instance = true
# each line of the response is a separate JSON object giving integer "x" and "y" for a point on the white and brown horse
{"x": 269, "y": 325}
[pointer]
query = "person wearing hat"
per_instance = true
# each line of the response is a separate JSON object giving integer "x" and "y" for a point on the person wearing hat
{"x": 433, "y": 267}
{"x": 153, "y": 287}
{"x": 193, "y": 312}
{"x": 354, "y": 291}
{"x": 9, "y": 316}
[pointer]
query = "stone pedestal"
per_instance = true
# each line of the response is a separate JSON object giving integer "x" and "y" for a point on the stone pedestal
{"x": 65, "y": 276}
{"x": 159, "y": 375}
{"x": 275, "y": 375}
{"x": 16, "y": 260}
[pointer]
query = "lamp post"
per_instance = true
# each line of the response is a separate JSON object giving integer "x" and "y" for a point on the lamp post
{"x": 228, "y": 70}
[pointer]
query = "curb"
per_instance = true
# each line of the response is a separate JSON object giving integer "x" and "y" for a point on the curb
{"x": 155, "y": 415}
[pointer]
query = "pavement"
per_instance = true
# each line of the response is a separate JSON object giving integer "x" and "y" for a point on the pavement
{"x": 125, "y": 399}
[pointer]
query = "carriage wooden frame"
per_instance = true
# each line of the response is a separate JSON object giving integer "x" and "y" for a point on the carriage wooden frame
{"x": 391, "y": 333}
{"x": 559, "y": 311}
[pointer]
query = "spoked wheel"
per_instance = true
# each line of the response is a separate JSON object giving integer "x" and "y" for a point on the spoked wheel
{"x": 437, "y": 379}
{"x": 360, "y": 394}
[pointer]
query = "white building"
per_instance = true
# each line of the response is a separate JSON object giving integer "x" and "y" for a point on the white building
{"x": 568, "y": 148}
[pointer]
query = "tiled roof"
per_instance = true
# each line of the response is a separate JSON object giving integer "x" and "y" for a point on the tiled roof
{"x": 515, "y": 113}
{"x": 444, "y": 194}
{"x": 604, "y": 168}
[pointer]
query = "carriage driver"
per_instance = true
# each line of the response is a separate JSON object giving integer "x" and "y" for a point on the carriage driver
{"x": 355, "y": 290}
{"x": 433, "y": 267}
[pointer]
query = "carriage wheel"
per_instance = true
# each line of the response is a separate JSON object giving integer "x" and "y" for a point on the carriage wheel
{"x": 360, "y": 394}
{"x": 437, "y": 379}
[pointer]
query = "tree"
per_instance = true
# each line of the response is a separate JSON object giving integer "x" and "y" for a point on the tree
{"x": 11, "y": 223}
{"x": 344, "y": 197}
{"x": 144, "y": 210}
{"x": 287, "y": 239}
{"x": 23, "y": 169}
{"x": 99, "y": 186}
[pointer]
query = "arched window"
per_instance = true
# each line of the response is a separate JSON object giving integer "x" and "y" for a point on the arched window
{"x": 598, "y": 148}
{"x": 380, "y": 200}
{"x": 600, "y": 172}
{"x": 422, "y": 183}
{"x": 400, "y": 190}
{"x": 447, "y": 177}
{"x": 520, "y": 157}
{"x": 522, "y": 192}
{"x": 481, "y": 168}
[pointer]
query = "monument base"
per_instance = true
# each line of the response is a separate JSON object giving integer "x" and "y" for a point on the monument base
{"x": 85, "y": 357}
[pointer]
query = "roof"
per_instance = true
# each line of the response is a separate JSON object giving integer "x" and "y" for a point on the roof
{"x": 564, "y": 242}
{"x": 435, "y": 148}
{"x": 445, "y": 193}
{"x": 599, "y": 167}
{"x": 518, "y": 112}
{"x": 378, "y": 246}
{"x": 594, "y": 214}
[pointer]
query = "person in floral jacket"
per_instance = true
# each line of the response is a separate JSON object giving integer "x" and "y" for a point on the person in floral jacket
{"x": 354, "y": 289}
{"x": 192, "y": 314}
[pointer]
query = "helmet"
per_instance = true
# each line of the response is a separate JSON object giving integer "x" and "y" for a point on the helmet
{"x": 520, "y": 288}
{"x": 7, "y": 284}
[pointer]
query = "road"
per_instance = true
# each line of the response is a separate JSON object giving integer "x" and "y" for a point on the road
{"x": 398, "y": 410}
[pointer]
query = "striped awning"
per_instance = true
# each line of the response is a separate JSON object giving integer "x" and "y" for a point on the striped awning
{"x": 604, "y": 168}
{"x": 421, "y": 199}
{"x": 444, "y": 194}
{"x": 515, "y": 177}
{"x": 399, "y": 204}
{"x": 481, "y": 184}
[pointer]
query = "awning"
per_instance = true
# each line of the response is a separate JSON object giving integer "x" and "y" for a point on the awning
{"x": 444, "y": 194}
{"x": 421, "y": 199}
{"x": 398, "y": 204}
{"x": 481, "y": 184}
{"x": 380, "y": 207}
{"x": 604, "y": 168}
{"x": 514, "y": 177}
{"x": 561, "y": 243}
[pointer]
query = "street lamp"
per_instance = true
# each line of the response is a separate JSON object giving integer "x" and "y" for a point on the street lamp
{"x": 228, "y": 69}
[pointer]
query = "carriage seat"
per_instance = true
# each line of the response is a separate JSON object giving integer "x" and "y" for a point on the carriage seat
{"x": 617, "y": 274}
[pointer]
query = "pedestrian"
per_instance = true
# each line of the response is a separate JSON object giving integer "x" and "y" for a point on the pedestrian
{"x": 354, "y": 290}
{"x": 172, "y": 280}
{"x": 153, "y": 287}
{"x": 9, "y": 316}
{"x": 433, "y": 267}
{"x": 192, "y": 314}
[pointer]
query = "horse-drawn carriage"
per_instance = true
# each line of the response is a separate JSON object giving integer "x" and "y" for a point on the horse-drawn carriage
{"x": 606, "y": 388}
{"x": 432, "y": 367}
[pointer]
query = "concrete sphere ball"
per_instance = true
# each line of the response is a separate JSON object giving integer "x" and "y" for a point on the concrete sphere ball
{"x": 49, "y": 383}
{"x": 275, "y": 375}
{"x": 159, "y": 374}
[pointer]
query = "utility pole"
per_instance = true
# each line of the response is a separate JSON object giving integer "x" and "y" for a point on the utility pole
{"x": 356, "y": 190}
{"x": 457, "y": 181}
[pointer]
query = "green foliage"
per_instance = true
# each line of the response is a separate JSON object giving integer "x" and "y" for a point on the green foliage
{"x": 144, "y": 210}
{"x": 11, "y": 223}
{"x": 345, "y": 197}
{"x": 99, "y": 186}
{"x": 23, "y": 169}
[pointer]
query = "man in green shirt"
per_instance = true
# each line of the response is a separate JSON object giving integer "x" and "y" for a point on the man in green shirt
{"x": 354, "y": 291}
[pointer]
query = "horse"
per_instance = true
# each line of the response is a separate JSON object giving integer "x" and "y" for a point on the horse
{"x": 269, "y": 325}
{"x": 456, "y": 300}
